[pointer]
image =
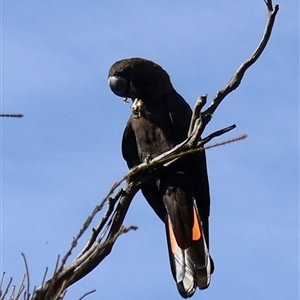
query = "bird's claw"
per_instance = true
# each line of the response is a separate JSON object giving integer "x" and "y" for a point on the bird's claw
{"x": 137, "y": 107}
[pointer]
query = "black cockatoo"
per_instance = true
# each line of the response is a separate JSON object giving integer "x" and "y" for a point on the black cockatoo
{"x": 180, "y": 196}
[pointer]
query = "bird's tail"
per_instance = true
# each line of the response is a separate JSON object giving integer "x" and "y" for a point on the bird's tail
{"x": 203, "y": 262}
{"x": 191, "y": 265}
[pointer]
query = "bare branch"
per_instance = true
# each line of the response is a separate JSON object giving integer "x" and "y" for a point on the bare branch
{"x": 235, "y": 81}
{"x": 12, "y": 294}
{"x": 233, "y": 140}
{"x": 27, "y": 274}
{"x": 88, "y": 222}
{"x": 11, "y": 115}
{"x": 7, "y": 288}
{"x": 201, "y": 101}
{"x": 45, "y": 274}
{"x": 86, "y": 294}
{"x": 111, "y": 204}
{"x": 21, "y": 287}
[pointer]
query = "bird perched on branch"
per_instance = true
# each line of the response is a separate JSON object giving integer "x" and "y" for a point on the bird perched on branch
{"x": 180, "y": 195}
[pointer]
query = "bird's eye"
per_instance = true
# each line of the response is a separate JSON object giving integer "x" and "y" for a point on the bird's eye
{"x": 119, "y": 86}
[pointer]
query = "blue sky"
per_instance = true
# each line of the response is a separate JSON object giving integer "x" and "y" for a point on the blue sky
{"x": 60, "y": 159}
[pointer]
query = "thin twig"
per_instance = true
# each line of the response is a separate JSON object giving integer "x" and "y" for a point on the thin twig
{"x": 7, "y": 287}
{"x": 1, "y": 282}
{"x": 201, "y": 101}
{"x": 11, "y": 115}
{"x": 86, "y": 294}
{"x": 88, "y": 222}
{"x": 27, "y": 273}
{"x": 111, "y": 204}
{"x": 21, "y": 287}
{"x": 12, "y": 294}
{"x": 45, "y": 274}
{"x": 52, "y": 281}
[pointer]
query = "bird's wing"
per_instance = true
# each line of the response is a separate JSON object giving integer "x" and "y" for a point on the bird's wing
{"x": 180, "y": 115}
{"x": 131, "y": 156}
{"x": 129, "y": 147}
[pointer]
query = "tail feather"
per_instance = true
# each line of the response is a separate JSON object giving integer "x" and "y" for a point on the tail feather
{"x": 203, "y": 276}
{"x": 191, "y": 266}
{"x": 203, "y": 261}
{"x": 182, "y": 265}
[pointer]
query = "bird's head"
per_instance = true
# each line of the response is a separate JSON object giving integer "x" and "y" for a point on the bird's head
{"x": 138, "y": 78}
